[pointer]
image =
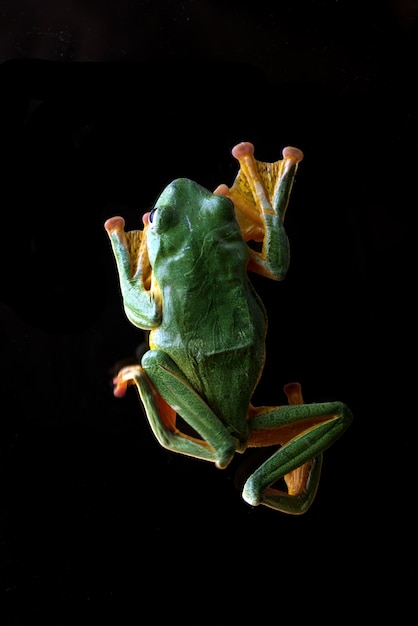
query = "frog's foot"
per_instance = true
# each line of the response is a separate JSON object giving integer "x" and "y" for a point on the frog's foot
{"x": 260, "y": 195}
{"x": 256, "y": 185}
{"x": 130, "y": 251}
{"x": 125, "y": 377}
{"x": 260, "y": 181}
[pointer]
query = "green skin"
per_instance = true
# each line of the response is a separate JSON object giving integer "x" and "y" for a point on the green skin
{"x": 208, "y": 328}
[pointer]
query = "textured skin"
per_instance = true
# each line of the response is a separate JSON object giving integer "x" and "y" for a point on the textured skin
{"x": 184, "y": 278}
{"x": 213, "y": 324}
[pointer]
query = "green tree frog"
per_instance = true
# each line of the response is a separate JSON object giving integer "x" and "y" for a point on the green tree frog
{"x": 184, "y": 278}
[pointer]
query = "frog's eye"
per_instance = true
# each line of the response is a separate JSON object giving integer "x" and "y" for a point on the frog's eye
{"x": 162, "y": 218}
{"x": 151, "y": 216}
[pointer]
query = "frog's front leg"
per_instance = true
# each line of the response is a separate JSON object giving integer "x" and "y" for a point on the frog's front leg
{"x": 260, "y": 195}
{"x": 303, "y": 431}
{"x": 141, "y": 298}
{"x": 165, "y": 392}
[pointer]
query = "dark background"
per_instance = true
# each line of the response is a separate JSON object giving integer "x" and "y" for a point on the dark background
{"x": 102, "y": 105}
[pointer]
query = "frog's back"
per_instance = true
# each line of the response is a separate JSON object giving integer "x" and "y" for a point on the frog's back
{"x": 207, "y": 297}
{"x": 213, "y": 322}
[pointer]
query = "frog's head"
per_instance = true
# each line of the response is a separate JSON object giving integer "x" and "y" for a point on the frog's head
{"x": 184, "y": 218}
{"x": 188, "y": 223}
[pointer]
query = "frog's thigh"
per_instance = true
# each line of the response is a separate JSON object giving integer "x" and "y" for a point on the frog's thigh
{"x": 174, "y": 388}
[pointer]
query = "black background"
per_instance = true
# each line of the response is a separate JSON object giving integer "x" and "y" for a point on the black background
{"x": 102, "y": 105}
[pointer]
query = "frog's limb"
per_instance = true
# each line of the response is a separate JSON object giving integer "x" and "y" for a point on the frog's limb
{"x": 303, "y": 431}
{"x": 260, "y": 195}
{"x": 141, "y": 299}
{"x": 165, "y": 392}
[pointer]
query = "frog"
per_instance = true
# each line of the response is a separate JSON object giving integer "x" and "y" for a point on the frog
{"x": 185, "y": 281}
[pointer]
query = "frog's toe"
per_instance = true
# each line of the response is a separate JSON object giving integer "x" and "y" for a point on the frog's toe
{"x": 243, "y": 149}
{"x": 126, "y": 376}
{"x": 114, "y": 223}
{"x": 292, "y": 153}
{"x": 221, "y": 190}
{"x": 119, "y": 389}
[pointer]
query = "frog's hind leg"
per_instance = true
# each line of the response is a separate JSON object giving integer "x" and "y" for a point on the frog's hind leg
{"x": 303, "y": 432}
{"x": 166, "y": 396}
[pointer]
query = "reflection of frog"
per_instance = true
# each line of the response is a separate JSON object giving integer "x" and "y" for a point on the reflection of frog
{"x": 184, "y": 278}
